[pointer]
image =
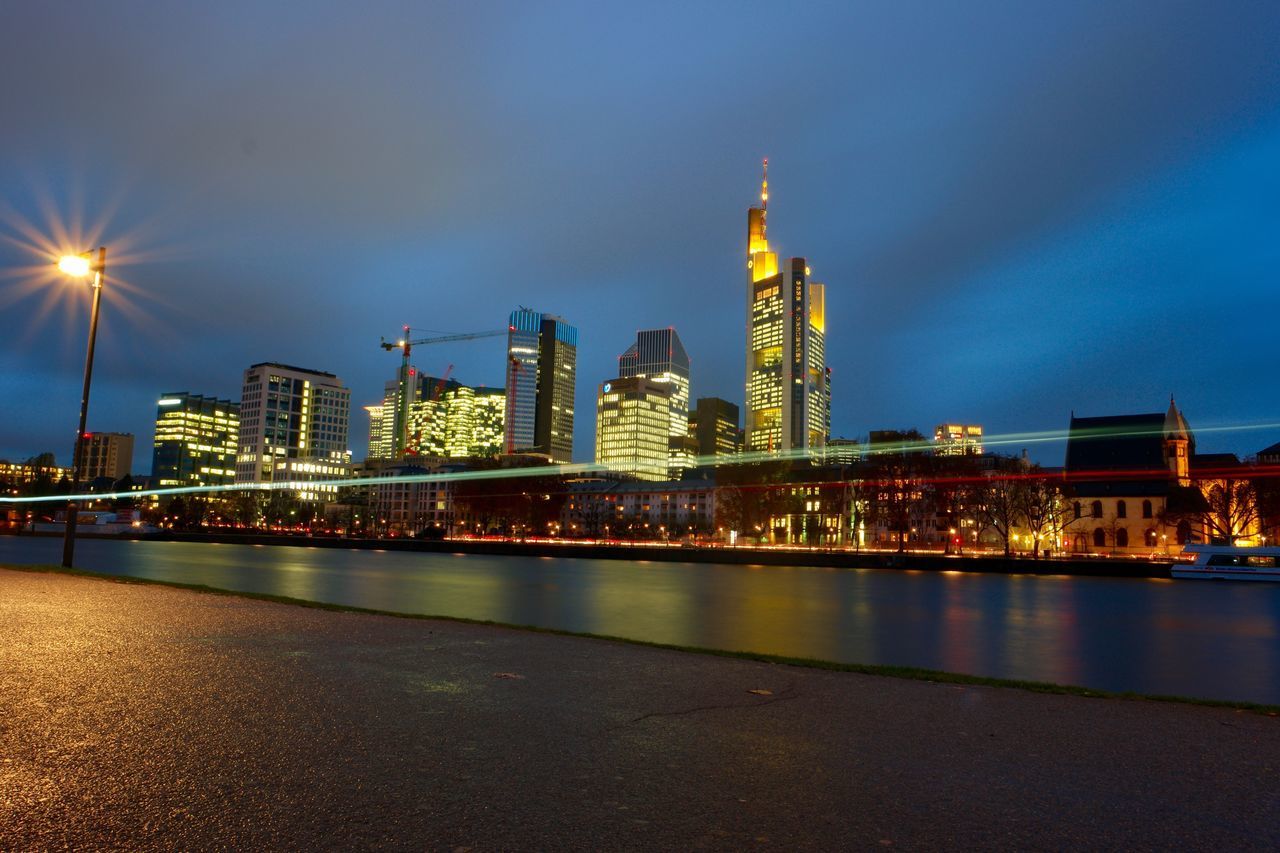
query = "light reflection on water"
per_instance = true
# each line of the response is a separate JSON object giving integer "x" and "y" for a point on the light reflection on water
{"x": 1190, "y": 638}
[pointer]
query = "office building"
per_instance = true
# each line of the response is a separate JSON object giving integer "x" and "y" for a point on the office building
{"x": 542, "y": 359}
{"x": 788, "y": 388}
{"x": 197, "y": 439}
{"x": 714, "y": 427}
{"x": 633, "y": 418}
{"x": 450, "y": 421}
{"x": 293, "y": 429}
{"x": 842, "y": 451}
{"x": 658, "y": 354}
{"x": 957, "y": 440}
{"x": 107, "y": 454}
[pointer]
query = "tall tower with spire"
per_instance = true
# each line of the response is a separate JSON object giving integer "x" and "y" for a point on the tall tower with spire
{"x": 788, "y": 400}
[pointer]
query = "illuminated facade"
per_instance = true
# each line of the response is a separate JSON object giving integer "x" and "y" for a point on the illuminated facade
{"x": 788, "y": 388}
{"x": 957, "y": 440}
{"x": 714, "y": 426}
{"x": 542, "y": 365}
{"x": 293, "y": 429}
{"x": 449, "y": 420}
{"x": 196, "y": 441}
{"x": 107, "y": 454}
{"x": 658, "y": 354}
{"x": 633, "y": 418}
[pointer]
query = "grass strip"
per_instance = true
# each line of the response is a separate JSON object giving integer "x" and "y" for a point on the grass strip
{"x": 885, "y": 670}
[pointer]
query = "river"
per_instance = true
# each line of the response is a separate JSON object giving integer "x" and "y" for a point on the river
{"x": 1190, "y": 638}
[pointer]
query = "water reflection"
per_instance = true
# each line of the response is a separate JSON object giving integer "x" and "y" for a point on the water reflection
{"x": 1197, "y": 639}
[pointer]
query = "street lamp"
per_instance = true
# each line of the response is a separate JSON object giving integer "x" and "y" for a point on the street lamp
{"x": 79, "y": 266}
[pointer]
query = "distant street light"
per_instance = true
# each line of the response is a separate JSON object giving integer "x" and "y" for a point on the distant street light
{"x": 79, "y": 266}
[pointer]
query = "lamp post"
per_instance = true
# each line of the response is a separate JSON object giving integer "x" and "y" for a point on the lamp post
{"x": 80, "y": 266}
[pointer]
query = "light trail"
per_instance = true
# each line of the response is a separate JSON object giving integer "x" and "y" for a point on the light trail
{"x": 585, "y": 469}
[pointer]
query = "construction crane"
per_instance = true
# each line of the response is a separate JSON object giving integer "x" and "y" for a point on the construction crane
{"x": 405, "y": 344}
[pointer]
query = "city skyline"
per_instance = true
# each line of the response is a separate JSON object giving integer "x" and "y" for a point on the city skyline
{"x": 969, "y": 280}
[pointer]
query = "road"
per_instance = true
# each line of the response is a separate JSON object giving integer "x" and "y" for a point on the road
{"x": 149, "y": 717}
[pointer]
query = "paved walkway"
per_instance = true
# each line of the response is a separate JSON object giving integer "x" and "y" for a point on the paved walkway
{"x": 155, "y": 718}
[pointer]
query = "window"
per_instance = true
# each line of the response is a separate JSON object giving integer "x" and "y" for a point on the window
{"x": 1149, "y": 537}
{"x": 1146, "y": 509}
{"x": 1097, "y": 509}
{"x": 1077, "y": 509}
{"x": 1099, "y": 537}
{"x": 1122, "y": 538}
{"x": 1121, "y": 510}
{"x": 1184, "y": 532}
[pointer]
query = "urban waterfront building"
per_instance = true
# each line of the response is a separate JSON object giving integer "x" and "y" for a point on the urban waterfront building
{"x": 1128, "y": 479}
{"x": 107, "y": 454}
{"x": 957, "y": 440}
{"x": 788, "y": 387}
{"x": 196, "y": 441}
{"x": 714, "y": 428}
{"x": 633, "y": 417}
{"x": 293, "y": 429}
{"x": 658, "y": 354}
{"x": 447, "y": 420}
{"x": 542, "y": 359}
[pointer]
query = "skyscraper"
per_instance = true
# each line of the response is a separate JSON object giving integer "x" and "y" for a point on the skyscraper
{"x": 448, "y": 420}
{"x": 196, "y": 440}
{"x": 788, "y": 386}
{"x": 293, "y": 428}
{"x": 633, "y": 417}
{"x": 542, "y": 364}
{"x": 716, "y": 428}
{"x": 658, "y": 354}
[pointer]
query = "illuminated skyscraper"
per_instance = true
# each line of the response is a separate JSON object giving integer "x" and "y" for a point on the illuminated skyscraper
{"x": 542, "y": 365}
{"x": 196, "y": 441}
{"x": 788, "y": 385}
{"x": 659, "y": 355}
{"x": 293, "y": 428}
{"x": 633, "y": 418}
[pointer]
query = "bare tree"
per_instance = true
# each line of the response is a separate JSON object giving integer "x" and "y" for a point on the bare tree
{"x": 1043, "y": 509}
{"x": 998, "y": 505}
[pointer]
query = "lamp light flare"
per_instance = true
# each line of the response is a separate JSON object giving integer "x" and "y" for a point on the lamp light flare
{"x": 74, "y": 265}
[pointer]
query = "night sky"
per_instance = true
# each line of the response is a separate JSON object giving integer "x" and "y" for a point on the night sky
{"x": 1020, "y": 209}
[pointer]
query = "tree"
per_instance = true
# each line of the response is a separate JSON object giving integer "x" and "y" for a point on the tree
{"x": 1043, "y": 508}
{"x": 1231, "y": 509}
{"x": 998, "y": 505}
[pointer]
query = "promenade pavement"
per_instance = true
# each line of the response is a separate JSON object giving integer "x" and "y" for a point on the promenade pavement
{"x": 146, "y": 717}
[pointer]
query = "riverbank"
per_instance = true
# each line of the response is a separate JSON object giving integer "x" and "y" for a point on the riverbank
{"x": 818, "y": 558}
{"x": 187, "y": 719}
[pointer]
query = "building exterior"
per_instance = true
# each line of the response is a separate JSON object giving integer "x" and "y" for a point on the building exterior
{"x": 404, "y": 501}
{"x": 38, "y": 470}
{"x": 788, "y": 385}
{"x": 633, "y": 417}
{"x": 542, "y": 359}
{"x": 197, "y": 440}
{"x": 293, "y": 429}
{"x": 957, "y": 440}
{"x": 842, "y": 451}
{"x": 446, "y": 419}
{"x": 604, "y": 508}
{"x": 1128, "y": 477}
{"x": 107, "y": 454}
{"x": 714, "y": 427}
{"x": 658, "y": 354}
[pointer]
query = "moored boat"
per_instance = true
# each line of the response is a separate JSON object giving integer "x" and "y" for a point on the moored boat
{"x": 1227, "y": 562}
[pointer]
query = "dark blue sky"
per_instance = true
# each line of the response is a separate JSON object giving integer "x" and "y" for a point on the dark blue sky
{"x": 1019, "y": 209}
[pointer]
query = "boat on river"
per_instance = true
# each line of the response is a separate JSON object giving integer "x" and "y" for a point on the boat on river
{"x": 1227, "y": 562}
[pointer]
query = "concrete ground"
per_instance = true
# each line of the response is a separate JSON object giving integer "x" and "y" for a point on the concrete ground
{"x": 146, "y": 717}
